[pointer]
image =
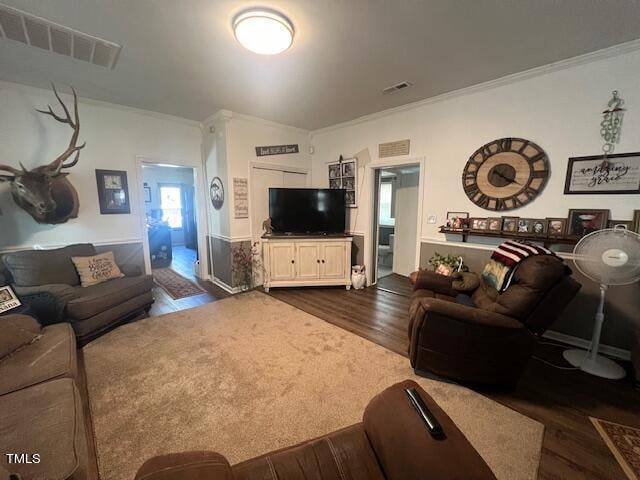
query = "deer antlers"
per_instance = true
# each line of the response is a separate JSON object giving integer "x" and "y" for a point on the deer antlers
{"x": 7, "y": 168}
{"x": 58, "y": 164}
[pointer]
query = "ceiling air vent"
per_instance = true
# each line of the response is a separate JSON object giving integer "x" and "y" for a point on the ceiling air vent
{"x": 39, "y": 32}
{"x": 396, "y": 87}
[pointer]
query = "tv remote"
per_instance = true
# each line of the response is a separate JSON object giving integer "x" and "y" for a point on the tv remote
{"x": 430, "y": 420}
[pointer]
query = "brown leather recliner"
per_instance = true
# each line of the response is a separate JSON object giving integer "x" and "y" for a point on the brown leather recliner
{"x": 492, "y": 341}
{"x": 390, "y": 443}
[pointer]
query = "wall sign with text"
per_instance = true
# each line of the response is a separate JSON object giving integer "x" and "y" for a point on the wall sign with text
{"x": 602, "y": 174}
{"x": 276, "y": 150}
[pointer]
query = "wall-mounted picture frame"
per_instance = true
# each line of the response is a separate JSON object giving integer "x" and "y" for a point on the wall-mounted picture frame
{"x": 147, "y": 194}
{"x": 603, "y": 174}
{"x": 457, "y": 220}
{"x": 8, "y": 299}
{"x": 582, "y": 222}
{"x": 628, "y": 224}
{"x": 525, "y": 226}
{"x": 510, "y": 224}
{"x": 556, "y": 227}
{"x": 113, "y": 192}
{"x": 478, "y": 224}
{"x": 494, "y": 224}
{"x": 216, "y": 193}
{"x": 344, "y": 174}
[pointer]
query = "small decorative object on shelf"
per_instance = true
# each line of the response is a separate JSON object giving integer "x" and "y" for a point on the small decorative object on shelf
{"x": 585, "y": 221}
{"x": 494, "y": 224}
{"x": 266, "y": 226}
{"x": 358, "y": 277}
{"x": 539, "y": 227}
{"x": 457, "y": 220}
{"x": 556, "y": 227}
{"x": 510, "y": 224}
{"x": 478, "y": 224}
{"x": 8, "y": 299}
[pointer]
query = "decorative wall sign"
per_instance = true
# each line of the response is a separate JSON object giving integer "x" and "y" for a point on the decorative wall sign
{"x": 8, "y": 299}
{"x": 113, "y": 191}
{"x": 216, "y": 192}
{"x": 393, "y": 149}
{"x": 344, "y": 174}
{"x": 276, "y": 150}
{"x": 240, "y": 198}
{"x": 603, "y": 174}
{"x": 505, "y": 174}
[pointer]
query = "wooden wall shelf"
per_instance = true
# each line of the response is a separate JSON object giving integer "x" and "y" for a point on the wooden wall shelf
{"x": 545, "y": 240}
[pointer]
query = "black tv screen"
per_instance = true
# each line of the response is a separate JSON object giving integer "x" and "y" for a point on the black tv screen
{"x": 307, "y": 210}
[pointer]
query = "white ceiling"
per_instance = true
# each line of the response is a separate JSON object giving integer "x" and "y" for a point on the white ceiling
{"x": 181, "y": 58}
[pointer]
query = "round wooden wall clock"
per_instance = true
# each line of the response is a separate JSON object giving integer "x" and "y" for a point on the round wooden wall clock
{"x": 505, "y": 174}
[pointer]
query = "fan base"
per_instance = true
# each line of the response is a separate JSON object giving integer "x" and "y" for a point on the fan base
{"x": 599, "y": 366}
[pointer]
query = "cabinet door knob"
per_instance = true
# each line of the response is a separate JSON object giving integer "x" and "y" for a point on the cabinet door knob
{"x": 318, "y": 260}
{"x": 293, "y": 261}
{"x": 322, "y": 261}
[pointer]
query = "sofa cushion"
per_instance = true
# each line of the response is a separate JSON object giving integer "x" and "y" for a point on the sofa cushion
{"x": 52, "y": 355}
{"x": 99, "y": 298}
{"x": 46, "y": 419}
{"x": 97, "y": 268}
{"x": 40, "y": 267}
{"x": 16, "y": 331}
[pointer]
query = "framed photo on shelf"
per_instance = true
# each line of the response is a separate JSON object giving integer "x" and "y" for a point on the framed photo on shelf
{"x": 525, "y": 226}
{"x": 636, "y": 221}
{"x": 628, "y": 224}
{"x": 539, "y": 227}
{"x": 510, "y": 224}
{"x": 113, "y": 191}
{"x": 457, "y": 220}
{"x": 494, "y": 224}
{"x": 556, "y": 227}
{"x": 344, "y": 174}
{"x": 582, "y": 222}
{"x": 603, "y": 174}
{"x": 478, "y": 224}
{"x": 8, "y": 299}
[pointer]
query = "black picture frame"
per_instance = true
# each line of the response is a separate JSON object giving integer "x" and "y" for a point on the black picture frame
{"x": 593, "y": 161}
{"x": 113, "y": 192}
{"x": 147, "y": 194}
{"x": 578, "y": 226}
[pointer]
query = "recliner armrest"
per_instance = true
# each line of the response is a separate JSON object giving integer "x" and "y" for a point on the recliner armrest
{"x": 428, "y": 280}
{"x": 198, "y": 465}
{"x": 464, "y": 313}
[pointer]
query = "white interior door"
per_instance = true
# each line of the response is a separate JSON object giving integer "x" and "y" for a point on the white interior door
{"x": 406, "y": 226}
{"x": 294, "y": 180}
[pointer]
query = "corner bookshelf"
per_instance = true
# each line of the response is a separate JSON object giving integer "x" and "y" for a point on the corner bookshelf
{"x": 545, "y": 240}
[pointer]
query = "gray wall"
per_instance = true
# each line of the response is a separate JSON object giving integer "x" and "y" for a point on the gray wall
{"x": 622, "y": 315}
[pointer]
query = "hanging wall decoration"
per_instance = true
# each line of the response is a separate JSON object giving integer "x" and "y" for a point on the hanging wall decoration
{"x": 113, "y": 191}
{"x": 606, "y": 173}
{"x": 344, "y": 174}
{"x": 216, "y": 192}
{"x": 240, "y": 198}
{"x": 45, "y": 192}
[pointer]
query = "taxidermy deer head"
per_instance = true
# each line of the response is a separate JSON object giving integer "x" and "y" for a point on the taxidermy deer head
{"x": 45, "y": 192}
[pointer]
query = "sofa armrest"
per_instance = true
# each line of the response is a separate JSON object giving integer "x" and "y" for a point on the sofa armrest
{"x": 186, "y": 466}
{"x": 57, "y": 295}
{"x": 428, "y": 280}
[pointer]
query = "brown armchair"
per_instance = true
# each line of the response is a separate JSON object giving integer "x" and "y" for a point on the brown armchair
{"x": 491, "y": 341}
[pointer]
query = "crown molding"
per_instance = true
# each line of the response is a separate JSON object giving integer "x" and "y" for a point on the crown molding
{"x": 605, "y": 53}
{"x": 226, "y": 115}
{"x": 42, "y": 92}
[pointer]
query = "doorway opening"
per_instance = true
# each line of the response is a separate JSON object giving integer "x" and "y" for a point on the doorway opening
{"x": 170, "y": 211}
{"x": 396, "y": 207}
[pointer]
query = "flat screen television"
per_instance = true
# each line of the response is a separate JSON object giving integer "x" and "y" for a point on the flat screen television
{"x": 307, "y": 210}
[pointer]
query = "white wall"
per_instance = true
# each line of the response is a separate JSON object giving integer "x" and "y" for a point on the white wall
{"x": 115, "y": 136}
{"x": 560, "y": 110}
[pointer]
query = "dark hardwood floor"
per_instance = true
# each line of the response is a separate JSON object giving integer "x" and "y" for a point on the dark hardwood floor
{"x": 395, "y": 283}
{"x": 562, "y": 400}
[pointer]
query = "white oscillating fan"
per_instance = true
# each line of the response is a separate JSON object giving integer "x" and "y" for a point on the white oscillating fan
{"x": 609, "y": 257}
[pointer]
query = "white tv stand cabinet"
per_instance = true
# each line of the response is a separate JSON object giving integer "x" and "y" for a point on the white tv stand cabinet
{"x": 302, "y": 261}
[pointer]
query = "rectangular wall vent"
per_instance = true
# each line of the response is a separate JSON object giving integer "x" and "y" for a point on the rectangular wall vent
{"x": 396, "y": 87}
{"x": 39, "y": 32}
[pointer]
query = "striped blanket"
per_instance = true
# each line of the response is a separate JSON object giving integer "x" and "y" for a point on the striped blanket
{"x": 504, "y": 261}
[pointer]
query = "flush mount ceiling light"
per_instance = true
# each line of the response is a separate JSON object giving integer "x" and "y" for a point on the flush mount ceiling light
{"x": 263, "y": 31}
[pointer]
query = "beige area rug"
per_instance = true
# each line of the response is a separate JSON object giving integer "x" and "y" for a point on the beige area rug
{"x": 624, "y": 443}
{"x": 251, "y": 374}
{"x": 175, "y": 284}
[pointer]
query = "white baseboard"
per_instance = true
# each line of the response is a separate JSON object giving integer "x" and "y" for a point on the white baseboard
{"x": 614, "y": 352}
{"x": 225, "y": 287}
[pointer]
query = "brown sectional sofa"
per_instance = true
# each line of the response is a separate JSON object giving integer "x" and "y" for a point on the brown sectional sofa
{"x": 41, "y": 409}
{"x": 90, "y": 310}
{"x": 390, "y": 443}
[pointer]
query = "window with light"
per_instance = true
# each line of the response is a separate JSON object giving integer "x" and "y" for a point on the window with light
{"x": 171, "y": 205}
{"x": 386, "y": 216}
